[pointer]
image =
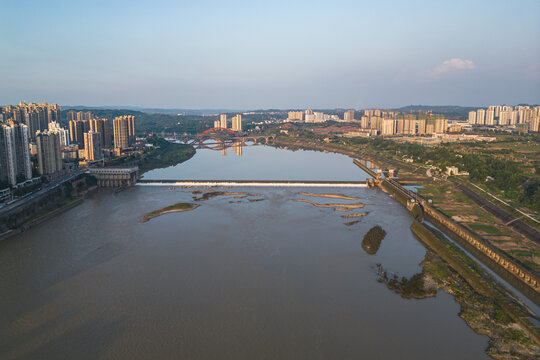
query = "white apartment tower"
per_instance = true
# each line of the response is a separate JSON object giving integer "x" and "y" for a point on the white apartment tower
{"x": 480, "y": 116}
{"x": 237, "y": 123}
{"x": 472, "y": 117}
{"x": 223, "y": 121}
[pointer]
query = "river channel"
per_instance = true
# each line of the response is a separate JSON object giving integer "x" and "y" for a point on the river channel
{"x": 232, "y": 279}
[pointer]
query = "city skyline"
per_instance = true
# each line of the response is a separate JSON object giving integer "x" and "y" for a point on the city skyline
{"x": 279, "y": 55}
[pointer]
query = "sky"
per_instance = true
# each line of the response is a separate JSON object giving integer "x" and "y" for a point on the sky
{"x": 270, "y": 54}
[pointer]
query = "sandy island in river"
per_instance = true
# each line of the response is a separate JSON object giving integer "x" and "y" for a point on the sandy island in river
{"x": 338, "y": 207}
{"x": 179, "y": 207}
{"x": 355, "y": 215}
{"x": 334, "y": 196}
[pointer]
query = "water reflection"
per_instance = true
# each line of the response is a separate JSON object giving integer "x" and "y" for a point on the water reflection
{"x": 259, "y": 162}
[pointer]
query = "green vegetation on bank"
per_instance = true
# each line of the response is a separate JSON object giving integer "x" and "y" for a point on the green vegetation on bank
{"x": 518, "y": 181}
{"x": 164, "y": 154}
{"x": 485, "y": 306}
{"x": 415, "y": 287}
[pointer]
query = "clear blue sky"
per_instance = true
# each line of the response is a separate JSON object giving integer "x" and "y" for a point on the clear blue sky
{"x": 270, "y": 54}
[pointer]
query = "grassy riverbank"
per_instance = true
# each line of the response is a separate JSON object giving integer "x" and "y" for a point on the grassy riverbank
{"x": 164, "y": 154}
{"x": 485, "y": 305}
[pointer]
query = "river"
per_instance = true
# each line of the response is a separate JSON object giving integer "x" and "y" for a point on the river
{"x": 232, "y": 279}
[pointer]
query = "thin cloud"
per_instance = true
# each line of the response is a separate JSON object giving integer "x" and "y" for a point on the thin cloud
{"x": 452, "y": 65}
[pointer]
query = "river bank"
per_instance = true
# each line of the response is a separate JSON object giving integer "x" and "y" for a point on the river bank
{"x": 43, "y": 216}
{"x": 164, "y": 154}
{"x": 485, "y": 306}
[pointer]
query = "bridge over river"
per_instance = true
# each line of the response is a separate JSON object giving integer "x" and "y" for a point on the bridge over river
{"x": 263, "y": 183}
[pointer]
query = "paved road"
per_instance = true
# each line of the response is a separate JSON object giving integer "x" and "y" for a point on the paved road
{"x": 46, "y": 188}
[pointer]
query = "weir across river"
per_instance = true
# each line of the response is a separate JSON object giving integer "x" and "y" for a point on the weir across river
{"x": 260, "y": 183}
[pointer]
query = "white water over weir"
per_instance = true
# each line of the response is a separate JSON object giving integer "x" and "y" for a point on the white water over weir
{"x": 260, "y": 183}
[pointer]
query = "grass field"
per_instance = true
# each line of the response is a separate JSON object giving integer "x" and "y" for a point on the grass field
{"x": 488, "y": 229}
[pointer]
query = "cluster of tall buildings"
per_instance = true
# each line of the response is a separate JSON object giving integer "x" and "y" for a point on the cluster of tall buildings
{"x": 393, "y": 123}
{"x": 381, "y": 122}
{"x": 236, "y": 122}
{"x": 35, "y": 129}
{"x": 310, "y": 116}
{"x": 83, "y": 124}
{"x": 94, "y": 134}
{"x": 35, "y": 116}
{"x": 506, "y": 115}
{"x": 21, "y": 126}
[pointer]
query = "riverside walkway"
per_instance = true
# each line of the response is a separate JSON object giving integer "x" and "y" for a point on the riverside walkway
{"x": 259, "y": 183}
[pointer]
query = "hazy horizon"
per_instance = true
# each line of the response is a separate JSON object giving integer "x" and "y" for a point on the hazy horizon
{"x": 255, "y": 55}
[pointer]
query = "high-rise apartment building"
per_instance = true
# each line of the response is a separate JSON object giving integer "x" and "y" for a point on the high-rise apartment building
{"x": 103, "y": 127}
{"x": 77, "y": 128}
{"x": 490, "y": 116}
{"x": 296, "y": 115}
{"x": 92, "y": 146}
{"x": 364, "y": 122}
{"x": 472, "y": 117}
{"x": 348, "y": 116}
{"x": 54, "y": 113}
{"x": 421, "y": 126}
{"x": 237, "y": 122}
{"x": 14, "y": 153}
{"x": 309, "y": 117}
{"x": 71, "y": 115}
{"x": 480, "y": 117}
{"x": 440, "y": 126}
{"x": 504, "y": 117}
{"x": 223, "y": 121}
{"x": 48, "y": 151}
{"x": 84, "y": 115}
{"x": 534, "y": 123}
{"x": 64, "y": 134}
{"x": 513, "y": 117}
{"x": 388, "y": 126}
{"x": 124, "y": 131}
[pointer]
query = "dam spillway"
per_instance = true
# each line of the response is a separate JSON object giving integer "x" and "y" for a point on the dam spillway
{"x": 253, "y": 183}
